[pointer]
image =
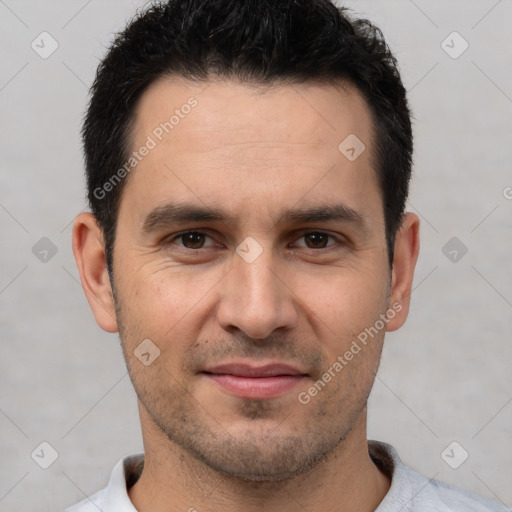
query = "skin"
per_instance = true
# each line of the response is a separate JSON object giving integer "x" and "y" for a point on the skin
{"x": 253, "y": 152}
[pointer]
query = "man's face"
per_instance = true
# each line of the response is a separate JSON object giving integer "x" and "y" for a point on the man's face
{"x": 298, "y": 291}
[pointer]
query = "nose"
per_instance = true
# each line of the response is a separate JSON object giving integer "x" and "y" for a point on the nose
{"x": 256, "y": 298}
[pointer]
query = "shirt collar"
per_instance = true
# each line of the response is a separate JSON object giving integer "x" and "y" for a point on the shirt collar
{"x": 126, "y": 471}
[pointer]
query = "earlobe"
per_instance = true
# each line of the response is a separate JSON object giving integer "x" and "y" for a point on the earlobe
{"x": 407, "y": 244}
{"x": 88, "y": 249}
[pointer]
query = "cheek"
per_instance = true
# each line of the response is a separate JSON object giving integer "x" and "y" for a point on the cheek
{"x": 164, "y": 304}
{"x": 346, "y": 300}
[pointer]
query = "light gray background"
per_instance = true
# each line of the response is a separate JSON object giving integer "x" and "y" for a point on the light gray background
{"x": 444, "y": 377}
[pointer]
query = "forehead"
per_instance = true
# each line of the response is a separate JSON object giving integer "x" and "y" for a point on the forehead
{"x": 225, "y": 143}
{"x": 235, "y": 111}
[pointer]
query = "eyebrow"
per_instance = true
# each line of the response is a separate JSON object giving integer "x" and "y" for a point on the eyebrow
{"x": 168, "y": 214}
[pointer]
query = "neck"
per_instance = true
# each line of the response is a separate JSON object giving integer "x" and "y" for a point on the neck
{"x": 173, "y": 480}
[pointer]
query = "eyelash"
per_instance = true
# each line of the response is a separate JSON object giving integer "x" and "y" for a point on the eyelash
{"x": 169, "y": 241}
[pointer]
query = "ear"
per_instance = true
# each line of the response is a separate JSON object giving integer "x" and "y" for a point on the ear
{"x": 407, "y": 246}
{"x": 88, "y": 248}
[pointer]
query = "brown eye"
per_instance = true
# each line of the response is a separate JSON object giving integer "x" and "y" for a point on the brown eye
{"x": 316, "y": 240}
{"x": 192, "y": 239}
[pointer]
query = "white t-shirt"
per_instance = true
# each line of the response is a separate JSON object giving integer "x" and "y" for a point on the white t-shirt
{"x": 409, "y": 491}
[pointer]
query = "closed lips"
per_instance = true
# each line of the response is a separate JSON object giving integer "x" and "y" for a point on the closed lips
{"x": 244, "y": 370}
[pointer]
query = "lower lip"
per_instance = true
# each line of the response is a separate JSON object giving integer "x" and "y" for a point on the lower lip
{"x": 256, "y": 387}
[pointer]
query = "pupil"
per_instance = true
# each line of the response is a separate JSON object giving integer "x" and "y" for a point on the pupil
{"x": 319, "y": 239}
{"x": 193, "y": 239}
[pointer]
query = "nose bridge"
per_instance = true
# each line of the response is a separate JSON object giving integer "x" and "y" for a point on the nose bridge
{"x": 257, "y": 277}
{"x": 255, "y": 300}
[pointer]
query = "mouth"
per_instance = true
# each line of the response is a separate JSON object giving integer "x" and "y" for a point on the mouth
{"x": 255, "y": 382}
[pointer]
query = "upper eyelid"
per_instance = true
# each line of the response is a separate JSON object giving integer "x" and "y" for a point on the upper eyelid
{"x": 181, "y": 233}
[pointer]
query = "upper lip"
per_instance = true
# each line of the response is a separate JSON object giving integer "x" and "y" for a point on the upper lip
{"x": 247, "y": 370}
